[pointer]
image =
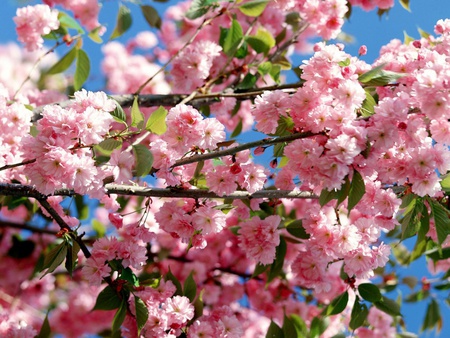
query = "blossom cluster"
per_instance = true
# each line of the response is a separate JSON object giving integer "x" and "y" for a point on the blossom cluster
{"x": 62, "y": 149}
{"x": 34, "y": 21}
{"x": 86, "y": 11}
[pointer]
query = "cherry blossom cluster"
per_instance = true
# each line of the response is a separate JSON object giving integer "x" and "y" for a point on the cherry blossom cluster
{"x": 34, "y": 21}
{"x": 62, "y": 149}
{"x": 86, "y": 11}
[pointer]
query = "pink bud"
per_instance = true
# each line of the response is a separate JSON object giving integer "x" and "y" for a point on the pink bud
{"x": 417, "y": 44}
{"x": 235, "y": 169}
{"x": 116, "y": 220}
{"x": 274, "y": 163}
{"x": 259, "y": 151}
{"x": 362, "y": 50}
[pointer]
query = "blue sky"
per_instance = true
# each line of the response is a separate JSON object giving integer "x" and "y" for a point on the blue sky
{"x": 365, "y": 27}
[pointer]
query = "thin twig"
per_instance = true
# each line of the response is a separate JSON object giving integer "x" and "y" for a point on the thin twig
{"x": 38, "y": 61}
{"x": 8, "y": 224}
{"x": 245, "y": 146}
{"x": 199, "y": 28}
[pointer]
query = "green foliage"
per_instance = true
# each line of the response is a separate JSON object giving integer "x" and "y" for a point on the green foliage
{"x": 379, "y": 77}
{"x": 190, "y": 288}
{"x": 388, "y": 306}
{"x": 119, "y": 317}
{"x": 137, "y": 117}
{"x": 337, "y": 305}
{"x": 151, "y": 16}
{"x": 141, "y": 313}
{"x": 233, "y": 38}
{"x": 253, "y": 7}
{"x": 262, "y": 41}
{"x": 277, "y": 266}
{"x": 358, "y": 315}
{"x": 123, "y": 22}
{"x": 64, "y": 63}
{"x": 296, "y": 229}
{"x": 274, "y": 331}
{"x": 107, "y": 299}
{"x": 54, "y": 258}
{"x": 294, "y": 326}
{"x": 433, "y": 317}
{"x": 82, "y": 69}
{"x": 45, "y": 331}
{"x": 441, "y": 220}
{"x": 357, "y": 190}
{"x": 156, "y": 123}
{"x": 144, "y": 159}
{"x": 198, "y": 8}
{"x": 369, "y": 292}
{"x": 175, "y": 281}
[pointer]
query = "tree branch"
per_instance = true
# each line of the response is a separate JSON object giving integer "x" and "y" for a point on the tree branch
{"x": 8, "y": 224}
{"x": 31, "y": 192}
{"x": 245, "y": 146}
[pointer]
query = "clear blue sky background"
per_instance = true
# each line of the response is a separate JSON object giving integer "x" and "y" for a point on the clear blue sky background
{"x": 365, "y": 28}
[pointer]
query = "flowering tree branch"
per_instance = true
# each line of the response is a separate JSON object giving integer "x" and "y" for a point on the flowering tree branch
{"x": 231, "y": 151}
{"x": 9, "y": 224}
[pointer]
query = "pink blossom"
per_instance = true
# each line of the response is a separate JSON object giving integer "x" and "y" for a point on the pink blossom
{"x": 94, "y": 270}
{"x": 220, "y": 181}
{"x": 179, "y": 310}
{"x": 34, "y": 21}
{"x": 259, "y": 238}
{"x": 122, "y": 163}
{"x": 192, "y": 66}
{"x": 208, "y": 220}
{"x": 268, "y": 108}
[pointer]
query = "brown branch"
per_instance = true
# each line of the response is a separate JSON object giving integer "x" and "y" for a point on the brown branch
{"x": 31, "y": 192}
{"x": 245, "y": 146}
{"x": 32, "y": 228}
{"x": 10, "y": 166}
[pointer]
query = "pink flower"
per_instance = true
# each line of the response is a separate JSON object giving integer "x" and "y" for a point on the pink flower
{"x": 220, "y": 181}
{"x": 192, "y": 66}
{"x": 34, "y": 21}
{"x": 122, "y": 163}
{"x": 179, "y": 310}
{"x": 268, "y": 108}
{"x": 259, "y": 238}
{"x": 208, "y": 220}
{"x": 94, "y": 270}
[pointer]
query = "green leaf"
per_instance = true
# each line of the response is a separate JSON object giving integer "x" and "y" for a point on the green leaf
{"x": 82, "y": 69}
{"x": 151, "y": 15}
{"x": 432, "y": 317}
{"x": 326, "y": 196}
{"x": 337, "y": 305}
{"x": 277, "y": 266}
{"x": 405, "y": 5}
{"x": 95, "y": 36}
{"x": 66, "y": 21}
{"x": 233, "y": 38}
{"x": 285, "y": 126}
{"x": 438, "y": 254}
{"x": 259, "y": 269}
{"x": 368, "y": 105}
{"x": 45, "y": 331}
{"x": 369, "y": 292}
{"x": 318, "y": 326}
{"x": 262, "y": 42}
{"x": 141, "y": 313}
{"x": 264, "y": 68}
{"x": 441, "y": 220}
{"x": 445, "y": 183}
{"x": 359, "y": 314}
{"x": 119, "y": 317}
{"x": 357, "y": 190}
{"x": 190, "y": 288}
{"x": 107, "y": 146}
{"x": 107, "y": 299}
{"x": 65, "y": 62}
{"x": 411, "y": 219}
{"x": 294, "y": 326}
{"x": 416, "y": 296}
{"x": 253, "y": 8}
{"x": 118, "y": 114}
{"x": 137, "y": 118}
{"x": 237, "y": 130}
{"x": 72, "y": 257}
{"x": 144, "y": 159}
{"x": 123, "y": 22}
{"x": 388, "y": 306}
{"x": 407, "y": 39}
{"x": 128, "y": 275}
{"x": 175, "y": 281}
{"x": 344, "y": 191}
{"x": 156, "y": 123}
{"x": 198, "y": 8}
{"x": 247, "y": 82}
{"x": 55, "y": 257}
{"x": 274, "y": 331}
{"x": 379, "y": 77}
{"x": 297, "y": 230}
